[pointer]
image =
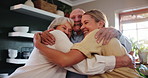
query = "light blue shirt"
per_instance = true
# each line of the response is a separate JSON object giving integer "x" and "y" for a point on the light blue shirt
{"x": 126, "y": 43}
{"x": 75, "y": 38}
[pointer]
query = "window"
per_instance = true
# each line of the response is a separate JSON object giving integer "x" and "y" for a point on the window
{"x": 134, "y": 25}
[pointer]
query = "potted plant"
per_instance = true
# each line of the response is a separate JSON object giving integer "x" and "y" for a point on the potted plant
{"x": 140, "y": 50}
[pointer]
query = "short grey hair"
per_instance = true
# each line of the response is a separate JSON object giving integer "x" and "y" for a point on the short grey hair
{"x": 59, "y": 21}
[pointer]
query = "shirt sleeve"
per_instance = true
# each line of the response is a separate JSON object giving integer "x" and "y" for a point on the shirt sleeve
{"x": 97, "y": 65}
{"x": 126, "y": 43}
{"x": 88, "y": 45}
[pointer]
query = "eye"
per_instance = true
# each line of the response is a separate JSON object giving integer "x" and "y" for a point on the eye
{"x": 85, "y": 22}
{"x": 64, "y": 28}
{"x": 72, "y": 17}
{"x": 80, "y": 16}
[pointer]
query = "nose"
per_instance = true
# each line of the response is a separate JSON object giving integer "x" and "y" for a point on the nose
{"x": 82, "y": 27}
{"x": 77, "y": 19}
{"x": 66, "y": 32}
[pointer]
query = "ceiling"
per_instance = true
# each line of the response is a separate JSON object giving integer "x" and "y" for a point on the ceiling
{"x": 75, "y": 2}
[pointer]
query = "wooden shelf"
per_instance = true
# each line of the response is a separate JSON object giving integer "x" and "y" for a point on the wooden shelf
{"x": 34, "y": 12}
{"x": 20, "y": 34}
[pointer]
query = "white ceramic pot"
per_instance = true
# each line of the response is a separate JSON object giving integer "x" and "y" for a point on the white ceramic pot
{"x": 12, "y": 53}
{"x": 59, "y": 12}
{"x": 21, "y": 29}
{"x": 143, "y": 57}
{"x": 29, "y": 3}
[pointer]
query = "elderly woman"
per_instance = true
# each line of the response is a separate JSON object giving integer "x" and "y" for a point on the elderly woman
{"x": 38, "y": 66}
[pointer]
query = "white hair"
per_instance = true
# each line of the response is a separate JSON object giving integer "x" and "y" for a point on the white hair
{"x": 60, "y": 21}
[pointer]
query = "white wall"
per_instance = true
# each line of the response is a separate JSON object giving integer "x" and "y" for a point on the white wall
{"x": 109, "y": 7}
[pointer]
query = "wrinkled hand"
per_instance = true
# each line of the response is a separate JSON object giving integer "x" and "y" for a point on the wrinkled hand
{"x": 132, "y": 63}
{"x": 125, "y": 61}
{"x": 106, "y": 34}
{"x": 47, "y": 38}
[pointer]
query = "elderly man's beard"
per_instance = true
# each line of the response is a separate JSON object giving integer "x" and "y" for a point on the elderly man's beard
{"x": 77, "y": 27}
{"x": 77, "y": 23}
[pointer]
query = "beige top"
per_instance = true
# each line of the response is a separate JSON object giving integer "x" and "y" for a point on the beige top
{"x": 89, "y": 47}
{"x": 39, "y": 67}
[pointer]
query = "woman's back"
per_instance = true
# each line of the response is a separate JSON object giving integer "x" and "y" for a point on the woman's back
{"x": 39, "y": 67}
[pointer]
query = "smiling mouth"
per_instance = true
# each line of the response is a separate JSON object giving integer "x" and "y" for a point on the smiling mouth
{"x": 78, "y": 25}
{"x": 85, "y": 31}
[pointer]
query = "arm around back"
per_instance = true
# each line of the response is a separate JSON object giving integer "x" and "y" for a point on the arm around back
{"x": 59, "y": 57}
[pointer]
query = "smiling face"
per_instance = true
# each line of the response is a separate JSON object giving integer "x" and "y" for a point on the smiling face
{"x": 89, "y": 24}
{"x": 76, "y": 16}
{"x": 93, "y": 19}
{"x": 66, "y": 28}
{"x": 63, "y": 24}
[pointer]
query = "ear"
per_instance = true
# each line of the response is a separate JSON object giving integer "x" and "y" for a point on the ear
{"x": 101, "y": 24}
